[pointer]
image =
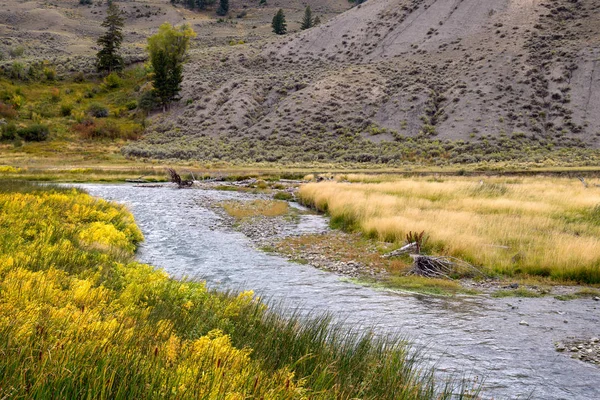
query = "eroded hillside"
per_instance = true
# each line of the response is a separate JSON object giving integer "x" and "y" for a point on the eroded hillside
{"x": 385, "y": 81}
{"x": 504, "y": 75}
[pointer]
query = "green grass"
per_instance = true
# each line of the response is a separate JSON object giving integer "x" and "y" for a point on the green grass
{"x": 520, "y": 292}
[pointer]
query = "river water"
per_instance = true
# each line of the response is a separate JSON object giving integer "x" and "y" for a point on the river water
{"x": 476, "y": 336}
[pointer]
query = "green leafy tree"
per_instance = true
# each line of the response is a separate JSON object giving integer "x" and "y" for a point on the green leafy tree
{"x": 279, "y": 25}
{"x": 223, "y": 7}
{"x": 167, "y": 50}
{"x": 307, "y": 21}
{"x": 108, "y": 58}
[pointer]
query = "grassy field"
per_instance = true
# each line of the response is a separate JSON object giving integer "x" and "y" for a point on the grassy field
{"x": 80, "y": 318}
{"x": 536, "y": 226}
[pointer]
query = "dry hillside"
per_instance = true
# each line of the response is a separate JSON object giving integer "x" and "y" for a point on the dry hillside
{"x": 459, "y": 80}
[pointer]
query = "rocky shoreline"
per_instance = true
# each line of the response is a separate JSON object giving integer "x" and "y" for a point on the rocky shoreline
{"x": 584, "y": 350}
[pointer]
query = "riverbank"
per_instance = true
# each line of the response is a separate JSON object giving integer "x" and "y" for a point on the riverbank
{"x": 72, "y": 297}
{"x": 364, "y": 259}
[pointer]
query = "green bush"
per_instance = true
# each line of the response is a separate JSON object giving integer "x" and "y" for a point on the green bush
{"x": 50, "y": 73}
{"x": 132, "y": 105}
{"x": 98, "y": 110}
{"x": 34, "y": 133}
{"x": 113, "y": 81}
{"x": 66, "y": 110}
{"x": 8, "y": 131}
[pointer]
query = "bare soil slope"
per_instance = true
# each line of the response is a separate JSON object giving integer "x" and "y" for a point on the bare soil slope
{"x": 494, "y": 74}
{"x": 512, "y": 72}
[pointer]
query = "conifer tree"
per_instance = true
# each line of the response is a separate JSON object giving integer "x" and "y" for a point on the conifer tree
{"x": 167, "y": 52}
{"x": 279, "y": 25}
{"x": 316, "y": 21}
{"x": 108, "y": 58}
{"x": 307, "y": 21}
{"x": 223, "y": 7}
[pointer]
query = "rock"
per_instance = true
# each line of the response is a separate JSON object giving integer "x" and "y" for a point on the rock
{"x": 514, "y": 286}
{"x": 596, "y": 298}
{"x": 523, "y": 322}
{"x": 595, "y": 340}
{"x": 560, "y": 347}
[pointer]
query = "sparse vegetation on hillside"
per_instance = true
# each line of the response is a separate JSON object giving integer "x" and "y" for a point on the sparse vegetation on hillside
{"x": 531, "y": 226}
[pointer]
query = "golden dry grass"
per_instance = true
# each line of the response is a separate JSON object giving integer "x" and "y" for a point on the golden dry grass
{"x": 248, "y": 209}
{"x": 538, "y": 226}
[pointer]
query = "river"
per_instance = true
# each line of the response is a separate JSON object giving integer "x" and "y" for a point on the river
{"x": 473, "y": 336}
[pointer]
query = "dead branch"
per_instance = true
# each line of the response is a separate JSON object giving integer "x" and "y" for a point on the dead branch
{"x": 440, "y": 267}
{"x": 176, "y": 178}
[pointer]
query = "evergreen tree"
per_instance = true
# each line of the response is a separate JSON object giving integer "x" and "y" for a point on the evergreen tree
{"x": 167, "y": 52}
{"x": 108, "y": 58}
{"x": 316, "y": 21}
{"x": 279, "y": 25}
{"x": 307, "y": 21}
{"x": 223, "y": 7}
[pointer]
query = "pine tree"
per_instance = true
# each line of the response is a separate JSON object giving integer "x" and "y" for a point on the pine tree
{"x": 223, "y": 7}
{"x": 108, "y": 58}
{"x": 307, "y": 21}
{"x": 316, "y": 21}
{"x": 279, "y": 25}
{"x": 167, "y": 52}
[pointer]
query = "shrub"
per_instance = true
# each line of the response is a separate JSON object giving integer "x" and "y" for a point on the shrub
{"x": 132, "y": 105}
{"x": 34, "y": 133}
{"x": 55, "y": 95}
{"x": 17, "y": 51}
{"x": 91, "y": 129}
{"x": 78, "y": 77}
{"x": 112, "y": 81}
{"x": 17, "y": 71}
{"x": 98, "y": 110}
{"x": 8, "y": 131}
{"x": 7, "y": 111}
{"x": 66, "y": 109}
{"x": 50, "y": 73}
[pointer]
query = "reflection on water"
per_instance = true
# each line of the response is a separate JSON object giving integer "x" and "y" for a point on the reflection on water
{"x": 472, "y": 336}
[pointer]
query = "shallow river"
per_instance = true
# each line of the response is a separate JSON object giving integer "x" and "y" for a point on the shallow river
{"x": 474, "y": 336}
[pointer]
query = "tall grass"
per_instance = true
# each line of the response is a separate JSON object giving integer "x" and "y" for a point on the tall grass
{"x": 538, "y": 226}
{"x": 80, "y": 319}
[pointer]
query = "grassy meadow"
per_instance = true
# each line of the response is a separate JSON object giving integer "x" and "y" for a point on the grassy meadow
{"x": 79, "y": 318}
{"x": 537, "y": 226}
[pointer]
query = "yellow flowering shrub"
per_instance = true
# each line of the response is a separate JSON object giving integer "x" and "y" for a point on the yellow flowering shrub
{"x": 79, "y": 319}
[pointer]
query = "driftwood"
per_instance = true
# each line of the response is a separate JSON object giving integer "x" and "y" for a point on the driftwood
{"x": 409, "y": 248}
{"x": 175, "y": 178}
{"x": 440, "y": 266}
